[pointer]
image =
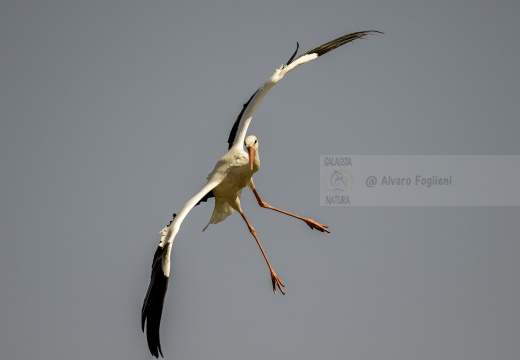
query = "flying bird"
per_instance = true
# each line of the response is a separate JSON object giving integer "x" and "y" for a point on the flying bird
{"x": 233, "y": 172}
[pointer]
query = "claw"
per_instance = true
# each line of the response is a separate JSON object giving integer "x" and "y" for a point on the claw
{"x": 275, "y": 280}
{"x": 315, "y": 225}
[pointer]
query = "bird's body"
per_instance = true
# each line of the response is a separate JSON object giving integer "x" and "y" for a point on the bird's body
{"x": 232, "y": 173}
{"x": 235, "y": 173}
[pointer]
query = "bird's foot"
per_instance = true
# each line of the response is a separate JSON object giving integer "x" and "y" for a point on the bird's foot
{"x": 277, "y": 282}
{"x": 316, "y": 225}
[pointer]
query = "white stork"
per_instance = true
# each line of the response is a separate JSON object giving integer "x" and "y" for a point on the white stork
{"x": 231, "y": 174}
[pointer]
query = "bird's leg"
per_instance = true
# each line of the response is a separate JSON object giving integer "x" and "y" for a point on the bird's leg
{"x": 312, "y": 224}
{"x": 274, "y": 278}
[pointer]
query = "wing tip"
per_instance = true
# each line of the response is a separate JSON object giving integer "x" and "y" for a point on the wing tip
{"x": 340, "y": 41}
{"x": 153, "y": 304}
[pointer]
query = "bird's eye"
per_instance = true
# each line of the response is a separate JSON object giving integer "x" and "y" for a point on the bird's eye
{"x": 256, "y": 141}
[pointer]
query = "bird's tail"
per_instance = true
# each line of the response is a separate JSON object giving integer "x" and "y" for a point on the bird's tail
{"x": 221, "y": 211}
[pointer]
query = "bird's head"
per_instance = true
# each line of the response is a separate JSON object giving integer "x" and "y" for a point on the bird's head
{"x": 251, "y": 144}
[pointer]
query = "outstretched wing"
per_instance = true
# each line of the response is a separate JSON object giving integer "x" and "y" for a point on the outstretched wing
{"x": 154, "y": 300}
{"x": 239, "y": 130}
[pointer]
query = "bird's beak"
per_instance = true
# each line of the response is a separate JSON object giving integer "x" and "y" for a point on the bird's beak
{"x": 251, "y": 151}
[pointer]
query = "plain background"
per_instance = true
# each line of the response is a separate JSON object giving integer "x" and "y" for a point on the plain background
{"x": 113, "y": 112}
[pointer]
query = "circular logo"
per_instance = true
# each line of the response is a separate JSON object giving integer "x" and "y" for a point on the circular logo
{"x": 338, "y": 181}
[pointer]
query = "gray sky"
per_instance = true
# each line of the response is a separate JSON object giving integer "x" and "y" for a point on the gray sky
{"x": 112, "y": 114}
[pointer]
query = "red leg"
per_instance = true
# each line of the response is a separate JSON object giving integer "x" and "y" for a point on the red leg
{"x": 312, "y": 224}
{"x": 274, "y": 278}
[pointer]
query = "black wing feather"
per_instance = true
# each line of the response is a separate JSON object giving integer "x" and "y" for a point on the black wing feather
{"x": 206, "y": 197}
{"x": 342, "y": 40}
{"x": 234, "y": 129}
{"x": 294, "y": 53}
{"x": 154, "y": 301}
